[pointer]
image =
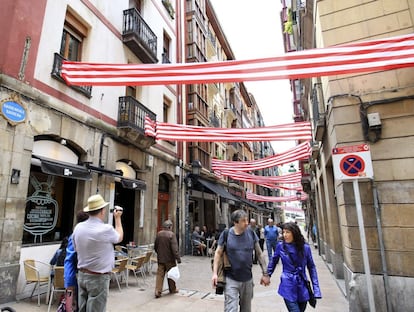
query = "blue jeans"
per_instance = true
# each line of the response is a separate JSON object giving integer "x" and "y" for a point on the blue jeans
{"x": 294, "y": 306}
{"x": 92, "y": 291}
{"x": 238, "y": 294}
{"x": 271, "y": 247}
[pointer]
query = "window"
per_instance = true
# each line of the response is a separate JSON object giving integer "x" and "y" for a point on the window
{"x": 166, "y": 49}
{"x": 49, "y": 208}
{"x": 73, "y": 35}
{"x": 166, "y": 109}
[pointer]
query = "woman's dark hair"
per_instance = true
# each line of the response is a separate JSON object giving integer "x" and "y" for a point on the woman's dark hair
{"x": 298, "y": 238}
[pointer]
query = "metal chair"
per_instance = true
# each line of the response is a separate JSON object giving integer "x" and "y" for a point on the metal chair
{"x": 37, "y": 273}
{"x": 58, "y": 284}
{"x": 147, "y": 261}
{"x": 136, "y": 265}
{"x": 119, "y": 270}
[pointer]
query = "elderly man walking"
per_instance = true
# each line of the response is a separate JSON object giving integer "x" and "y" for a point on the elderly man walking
{"x": 93, "y": 241}
{"x": 166, "y": 247}
{"x": 271, "y": 233}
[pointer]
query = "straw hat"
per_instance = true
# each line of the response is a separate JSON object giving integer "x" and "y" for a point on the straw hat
{"x": 95, "y": 202}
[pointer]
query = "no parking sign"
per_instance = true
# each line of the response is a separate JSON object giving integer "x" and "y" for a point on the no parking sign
{"x": 352, "y": 162}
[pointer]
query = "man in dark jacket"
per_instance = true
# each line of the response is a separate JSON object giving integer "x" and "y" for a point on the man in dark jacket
{"x": 166, "y": 248}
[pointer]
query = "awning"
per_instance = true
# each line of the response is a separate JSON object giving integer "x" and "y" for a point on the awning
{"x": 218, "y": 189}
{"x": 63, "y": 169}
{"x": 133, "y": 184}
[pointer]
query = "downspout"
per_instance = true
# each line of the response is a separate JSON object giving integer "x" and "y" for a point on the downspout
{"x": 382, "y": 249}
{"x": 100, "y": 160}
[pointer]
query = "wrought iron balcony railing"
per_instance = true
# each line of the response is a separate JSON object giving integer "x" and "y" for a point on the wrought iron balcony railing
{"x": 56, "y": 73}
{"x": 139, "y": 37}
{"x": 131, "y": 114}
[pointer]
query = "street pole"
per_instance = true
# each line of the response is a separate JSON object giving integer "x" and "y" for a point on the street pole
{"x": 187, "y": 224}
{"x": 364, "y": 245}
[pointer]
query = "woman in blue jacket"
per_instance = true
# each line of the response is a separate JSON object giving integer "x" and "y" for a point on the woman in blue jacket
{"x": 295, "y": 255}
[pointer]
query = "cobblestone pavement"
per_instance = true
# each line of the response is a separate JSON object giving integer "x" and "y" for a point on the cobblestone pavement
{"x": 196, "y": 293}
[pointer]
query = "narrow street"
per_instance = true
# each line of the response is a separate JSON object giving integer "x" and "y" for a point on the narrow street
{"x": 196, "y": 293}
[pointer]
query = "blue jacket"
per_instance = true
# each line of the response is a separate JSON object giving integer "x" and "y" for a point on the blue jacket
{"x": 292, "y": 286}
{"x": 70, "y": 266}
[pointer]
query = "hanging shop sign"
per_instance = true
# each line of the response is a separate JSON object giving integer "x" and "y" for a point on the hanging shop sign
{"x": 13, "y": 111}
{"x": 352, "y": 162}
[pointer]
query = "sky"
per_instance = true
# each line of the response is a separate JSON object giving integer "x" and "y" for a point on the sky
{"x": 253, "y": 30}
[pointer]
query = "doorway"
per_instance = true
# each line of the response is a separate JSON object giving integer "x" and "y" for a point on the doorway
{"x": 125, "y": 198}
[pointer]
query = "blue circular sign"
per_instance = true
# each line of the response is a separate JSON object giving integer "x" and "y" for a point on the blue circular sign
{"x": 352, "y": 165}
{"x": 13, "y": 111}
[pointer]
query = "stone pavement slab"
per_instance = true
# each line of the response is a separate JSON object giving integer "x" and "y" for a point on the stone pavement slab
{"x": 196, "y": 293}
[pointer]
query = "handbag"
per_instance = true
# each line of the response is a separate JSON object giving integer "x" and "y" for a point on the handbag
{"x": 312, "y": 299}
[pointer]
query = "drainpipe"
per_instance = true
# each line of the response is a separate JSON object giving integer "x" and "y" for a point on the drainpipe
{"x": 100, "y": 160}
{"x": 382, "y": 249}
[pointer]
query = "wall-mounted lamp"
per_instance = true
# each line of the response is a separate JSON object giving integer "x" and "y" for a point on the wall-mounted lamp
{"x": 298, "y": 195}
{"x": 292, "y": 168}
{"x": 196, "y": 167}
{"x": 15, "y": 176}
{"x": 63, "y": 142}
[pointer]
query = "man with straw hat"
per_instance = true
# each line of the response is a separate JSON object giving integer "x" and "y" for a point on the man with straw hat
{"x": 93, "y": 240}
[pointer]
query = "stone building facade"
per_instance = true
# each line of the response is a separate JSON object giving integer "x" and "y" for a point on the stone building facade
{"x": 61, "y": 143}
{"x": 348, "y": 110}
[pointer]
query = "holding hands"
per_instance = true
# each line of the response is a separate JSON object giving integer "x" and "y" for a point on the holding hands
{"x": 265, "y": 280}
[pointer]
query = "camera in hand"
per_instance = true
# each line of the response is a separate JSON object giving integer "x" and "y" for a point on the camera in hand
{"x": 220, "y": 288}
{"x": 116, "y": 208}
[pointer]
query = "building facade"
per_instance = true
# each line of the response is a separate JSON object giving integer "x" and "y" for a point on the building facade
{"x": 348, "y": 110}
{"x": 61, "y": 143}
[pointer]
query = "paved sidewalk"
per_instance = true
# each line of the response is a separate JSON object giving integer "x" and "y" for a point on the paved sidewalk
{"x": 196, "y": 293}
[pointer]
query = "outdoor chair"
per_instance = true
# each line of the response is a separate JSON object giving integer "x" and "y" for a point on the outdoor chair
{"x": 119, "y": 270}
{"x": 37, "y": 273}
{"x": 58, "y": 284}
{"x": 147, "y": 261}
{"x": 136, "y": 265}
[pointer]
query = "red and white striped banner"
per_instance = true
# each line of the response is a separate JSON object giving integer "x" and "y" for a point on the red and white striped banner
{"x": 271, "y": 182}
{"x": 274, "y": 199}
{"x": 188, "y": 133}
{"x": 299, "y": 152}
{"x": 368, "y": 56}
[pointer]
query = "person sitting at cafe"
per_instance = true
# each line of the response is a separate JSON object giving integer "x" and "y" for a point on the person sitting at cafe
{"x": 198, "y": 240}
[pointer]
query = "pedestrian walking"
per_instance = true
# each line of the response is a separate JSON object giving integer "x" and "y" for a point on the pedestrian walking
{"x": 296, "y": 255}
{"x": 271, "y": 233}
{"x": 253, "y": 226}
{"x": 93, "y": 241}
{"x": 166, "y": 247}
{"x": 238, "y": 244}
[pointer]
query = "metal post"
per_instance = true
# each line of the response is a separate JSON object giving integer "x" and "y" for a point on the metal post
{"x": 364, "y": 245}
{"x": 187, "y": 224}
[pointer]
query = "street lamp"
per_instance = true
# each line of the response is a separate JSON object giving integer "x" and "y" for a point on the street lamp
{"x": 190, "y": 179}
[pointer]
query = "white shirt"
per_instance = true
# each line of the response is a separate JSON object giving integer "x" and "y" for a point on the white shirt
{"x": 93, "y": 241}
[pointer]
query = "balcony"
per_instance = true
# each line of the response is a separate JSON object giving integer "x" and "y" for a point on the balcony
{"x": 138, "y": 36}
{"x": 56, "y": 73}
{"x": 131, "y": 121}
{"x": 318, "y": 121}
